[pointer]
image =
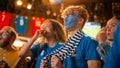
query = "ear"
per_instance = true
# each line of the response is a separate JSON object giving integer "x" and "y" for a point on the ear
{"x": 81, "y": 23}
{"x": 81, "y": 20}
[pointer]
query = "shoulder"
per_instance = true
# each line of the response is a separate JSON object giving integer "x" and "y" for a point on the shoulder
{"x": 87, "y": 39}
{"x": 35, "y": 47}
{"x": 59, "y": 44}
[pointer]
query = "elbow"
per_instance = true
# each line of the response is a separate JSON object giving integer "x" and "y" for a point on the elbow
{"x": 24, "y": 54}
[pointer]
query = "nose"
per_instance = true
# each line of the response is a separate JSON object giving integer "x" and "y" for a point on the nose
{"x": 108, "y": 28}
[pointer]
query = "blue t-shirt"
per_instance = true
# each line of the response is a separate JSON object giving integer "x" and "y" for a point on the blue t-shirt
{"x": 85, "y": 51}
{"x": 113, "y": 58}
{"x": 40, "y": 53}
{"x": 21, "y": 24}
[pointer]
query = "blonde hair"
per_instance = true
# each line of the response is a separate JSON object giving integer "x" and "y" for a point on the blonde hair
{"x": 76, "y": 10}
{"x": 60, "y": 33}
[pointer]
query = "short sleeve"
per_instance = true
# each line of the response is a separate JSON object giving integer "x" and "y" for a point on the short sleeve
{"x": 34, "y": 50}
{"x": 91, "y": 52}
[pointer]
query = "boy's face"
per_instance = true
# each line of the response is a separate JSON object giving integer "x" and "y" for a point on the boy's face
{"x": 70, "y": 21}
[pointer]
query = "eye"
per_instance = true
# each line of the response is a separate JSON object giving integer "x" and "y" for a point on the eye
{"x": 5, "y": 34}
{"x": 113, "y": 25}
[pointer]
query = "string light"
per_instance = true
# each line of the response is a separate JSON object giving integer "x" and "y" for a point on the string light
{"x": 29, "y": 6}
{"x": 48, "y": 12}
{"x": 19, "y": 2}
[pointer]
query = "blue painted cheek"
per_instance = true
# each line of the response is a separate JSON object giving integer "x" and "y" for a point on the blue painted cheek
{"x": 70, "y": 22}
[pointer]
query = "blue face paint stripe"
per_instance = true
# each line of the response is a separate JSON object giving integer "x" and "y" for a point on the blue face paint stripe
{"x": 70, "y": 21}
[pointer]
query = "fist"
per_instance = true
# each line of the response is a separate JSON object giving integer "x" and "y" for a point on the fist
{"x": 56, "y": 62}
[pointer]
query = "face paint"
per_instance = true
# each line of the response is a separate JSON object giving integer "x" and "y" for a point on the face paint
{"x": 70, "y": 21}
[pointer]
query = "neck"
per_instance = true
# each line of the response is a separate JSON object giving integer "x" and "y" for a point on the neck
{"x": 72, "y": 32}
{"x": 51, "y": 42}
{"x": 8, "y": 47}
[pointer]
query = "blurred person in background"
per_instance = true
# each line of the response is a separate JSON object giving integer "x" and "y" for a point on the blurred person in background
{"x": 105, "y": 37}
{"x": 113, "y": 58}
{"x": 8, "y": 54}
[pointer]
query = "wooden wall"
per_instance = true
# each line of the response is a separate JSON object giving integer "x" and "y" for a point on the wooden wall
{"x": 28, "y": 28}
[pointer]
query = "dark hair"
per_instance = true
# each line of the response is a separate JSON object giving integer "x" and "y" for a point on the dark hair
{"x": 13, "y": 34}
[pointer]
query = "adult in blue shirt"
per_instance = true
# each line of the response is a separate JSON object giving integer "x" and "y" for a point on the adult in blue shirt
{"x": 113, "y": 58}
{"x": 85, "y": 55}
{"x": 54, "y": 35}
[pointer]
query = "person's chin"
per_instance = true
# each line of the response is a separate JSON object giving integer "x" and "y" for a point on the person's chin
{"x": 71, "y": 29}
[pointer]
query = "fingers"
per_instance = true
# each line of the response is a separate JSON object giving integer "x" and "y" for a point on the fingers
{"x": 54, "y": 58}
{"x": 39, "y": 33}
{"x": 55, "y": 62}
{"x": 42, "y": 64}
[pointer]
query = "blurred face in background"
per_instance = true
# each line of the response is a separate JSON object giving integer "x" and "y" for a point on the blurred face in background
{"x": 4, "y": 37}
{"x": 110, "y": 27}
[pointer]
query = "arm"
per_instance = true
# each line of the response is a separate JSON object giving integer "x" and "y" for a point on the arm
{"x": 92, "y": 56}
{"x": 25, "y": 51}
{"x": 94, "y": 64}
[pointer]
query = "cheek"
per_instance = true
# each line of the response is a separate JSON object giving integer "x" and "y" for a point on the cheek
{"x": 3, "y": 42}
{"x": 109, "y": 34}
{"x": 48, "y": 30}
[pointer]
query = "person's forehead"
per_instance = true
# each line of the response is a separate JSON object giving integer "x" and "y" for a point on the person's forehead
{"x": 6, "y": 29}
{"x": 112, "y": 21}
{"x": 46, "y": 23}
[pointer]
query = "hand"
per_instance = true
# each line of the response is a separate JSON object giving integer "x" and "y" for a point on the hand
{"x": 101, "y": 36}
{"x": 56, "y": 62}
{"x": 38, "y": 33}
{"x": 44, "y": 65}
{"x": 3, "y": 64}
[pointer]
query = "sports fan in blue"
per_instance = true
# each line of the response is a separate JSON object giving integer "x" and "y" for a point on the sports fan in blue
{"x": 113, "y": 58}
{"x": 83, "y": 48}
{"x": 52, "y": 36}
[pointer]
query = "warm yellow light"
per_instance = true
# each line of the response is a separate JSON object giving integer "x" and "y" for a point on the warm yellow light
{"x": 54, "y": 14}
{"x": 29, "y": 6}
{"x": 48, "y": 12}
{"x": 19, "y": 2}
{"x": 52, "y": 1}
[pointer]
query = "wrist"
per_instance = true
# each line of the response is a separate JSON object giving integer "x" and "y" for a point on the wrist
{"x": 34, "y": 37}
